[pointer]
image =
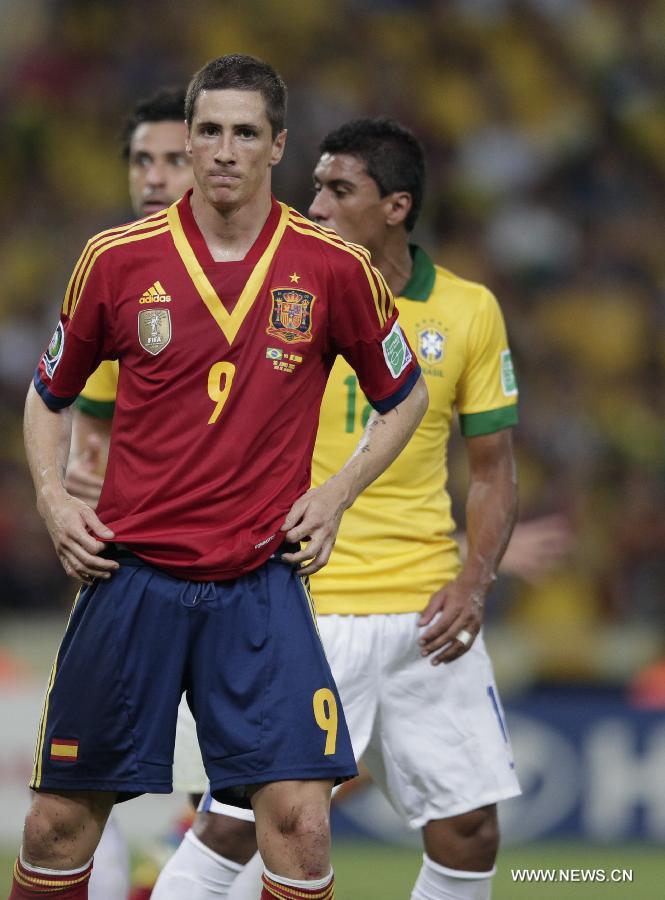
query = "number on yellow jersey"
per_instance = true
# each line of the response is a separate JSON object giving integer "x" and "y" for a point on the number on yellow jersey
{"x": 352, "y": 393}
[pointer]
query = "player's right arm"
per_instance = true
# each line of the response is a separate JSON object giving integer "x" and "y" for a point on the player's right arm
{"x": 82, "y": 339}
{"x": 74, "y": 528}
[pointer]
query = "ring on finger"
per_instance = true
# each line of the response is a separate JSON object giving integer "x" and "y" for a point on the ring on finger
{"x": 464, "y": 637}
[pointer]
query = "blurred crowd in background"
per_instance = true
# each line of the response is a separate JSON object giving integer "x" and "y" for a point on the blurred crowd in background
{"x": 545, "y": 138}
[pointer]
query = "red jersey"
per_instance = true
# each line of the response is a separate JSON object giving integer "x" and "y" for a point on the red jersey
{"x": 222, "y": 371}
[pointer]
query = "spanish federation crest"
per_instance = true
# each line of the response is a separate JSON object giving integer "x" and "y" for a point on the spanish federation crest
{"x": 154, "y": 330}
{"x": 431, "y": 344}
{"x": 291, "y": 315}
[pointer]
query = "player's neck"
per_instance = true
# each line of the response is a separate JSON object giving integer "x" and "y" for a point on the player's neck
{"x": 393, "y": 260}
{"x": 230, "y": 232}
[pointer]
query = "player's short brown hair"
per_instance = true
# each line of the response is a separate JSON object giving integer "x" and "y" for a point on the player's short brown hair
{"x": 239, "y": 72}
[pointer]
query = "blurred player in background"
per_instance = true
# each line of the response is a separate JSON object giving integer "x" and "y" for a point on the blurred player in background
{"x": 432, "y": 736}
{"x": 207, "y": 510}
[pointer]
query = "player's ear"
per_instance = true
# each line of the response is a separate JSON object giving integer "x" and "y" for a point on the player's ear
{"x": 188, "y": 139}
{"x": 278, "y": 147}
{"x": 398, "y": 205}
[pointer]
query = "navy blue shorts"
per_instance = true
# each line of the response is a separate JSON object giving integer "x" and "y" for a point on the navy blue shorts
{"x": 246, "y": 652}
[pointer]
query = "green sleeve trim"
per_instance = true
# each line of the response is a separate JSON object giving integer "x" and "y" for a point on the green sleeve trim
{"x": 475, "y": 424}
{"x": 98, "y": 409}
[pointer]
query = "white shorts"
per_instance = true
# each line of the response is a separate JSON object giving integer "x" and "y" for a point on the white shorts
{"x": 433, "y": 737}
{"x": 188, "y": 772}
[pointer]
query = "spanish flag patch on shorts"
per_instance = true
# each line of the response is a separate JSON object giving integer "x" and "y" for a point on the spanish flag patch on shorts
{"x": 64, "y": 750}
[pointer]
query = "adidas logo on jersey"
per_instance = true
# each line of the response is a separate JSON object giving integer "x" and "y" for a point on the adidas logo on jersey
{"x": 155, "y": 294}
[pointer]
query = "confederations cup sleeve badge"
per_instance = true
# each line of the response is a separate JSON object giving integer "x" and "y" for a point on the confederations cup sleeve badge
{"x": 291, "y": 315}
{"x": 54, "y": 351}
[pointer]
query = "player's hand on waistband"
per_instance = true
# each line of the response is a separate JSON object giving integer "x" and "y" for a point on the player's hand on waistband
{"x": 314, "y": 518}
{"x": 454, "y": 616}
{"x": 78, "y": 536}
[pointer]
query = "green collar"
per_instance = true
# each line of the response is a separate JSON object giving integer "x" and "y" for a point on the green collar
{"x": 419, "y": 286}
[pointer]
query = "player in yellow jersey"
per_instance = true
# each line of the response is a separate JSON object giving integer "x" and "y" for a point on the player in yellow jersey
{"x": 397, "y": 596}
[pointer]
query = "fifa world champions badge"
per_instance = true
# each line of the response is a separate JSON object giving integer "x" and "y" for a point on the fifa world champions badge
{"x": 154, "y": 330}
{"x": 291, "y": 315}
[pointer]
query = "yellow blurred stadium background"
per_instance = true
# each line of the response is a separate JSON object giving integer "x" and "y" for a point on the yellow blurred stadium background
{"x": 545, "y": 136}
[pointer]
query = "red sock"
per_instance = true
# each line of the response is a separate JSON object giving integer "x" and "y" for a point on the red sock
{"x": 273, "y": 889}
{"x": 28, "y": 885}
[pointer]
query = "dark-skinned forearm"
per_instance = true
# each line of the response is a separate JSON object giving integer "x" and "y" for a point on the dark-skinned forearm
{"x": 491, "y": 512}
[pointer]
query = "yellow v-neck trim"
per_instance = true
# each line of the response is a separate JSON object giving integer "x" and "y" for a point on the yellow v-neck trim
{"x": 228, "y": 322}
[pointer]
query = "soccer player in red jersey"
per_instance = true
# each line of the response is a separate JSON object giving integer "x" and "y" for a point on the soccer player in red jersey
{"x": 226, "y": 312}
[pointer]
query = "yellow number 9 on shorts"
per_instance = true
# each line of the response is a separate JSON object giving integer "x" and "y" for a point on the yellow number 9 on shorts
{"x": 325, "y": 713}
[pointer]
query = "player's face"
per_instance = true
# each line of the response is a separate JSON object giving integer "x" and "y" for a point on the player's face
{"x": 159, "y": 168}
{"x": 231, "y": 146}
{"x": 348, "y": 201}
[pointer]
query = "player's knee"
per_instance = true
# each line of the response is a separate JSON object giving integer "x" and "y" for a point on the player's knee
{"x": 63, "y": 830}
{"x": 468, "y": 841}
{"x": 306, "y": 822}
{"x": 52, "y": 827}
{"x": 484, "y": 833}
{"x": 305, "y": 827}
{"x": 234, "y": 839}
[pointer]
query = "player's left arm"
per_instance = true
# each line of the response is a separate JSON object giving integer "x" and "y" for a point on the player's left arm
{"x": 491, "y": 510}
{"x": 315, "y": 517}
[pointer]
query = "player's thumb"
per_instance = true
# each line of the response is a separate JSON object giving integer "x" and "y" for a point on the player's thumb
{"x": 96, "y": 526}
{"x": 294, "y": 515}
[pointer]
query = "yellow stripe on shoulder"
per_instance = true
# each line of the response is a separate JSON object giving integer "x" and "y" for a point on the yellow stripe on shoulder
{"x": 117, "y": 242}
{"x": 146, "y": 225}
{"x": 378, "y": 294}
{"x": 386, "y": 301}
{"x": 329, "y": 232}
{"x": 390, "y": 300}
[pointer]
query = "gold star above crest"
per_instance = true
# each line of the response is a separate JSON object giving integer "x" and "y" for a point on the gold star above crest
{"x": 295, "y": 278}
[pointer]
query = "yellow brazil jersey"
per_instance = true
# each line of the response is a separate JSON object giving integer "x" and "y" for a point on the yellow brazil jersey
{"x": 98, "y": 396}
{"x": 394, "y": 548}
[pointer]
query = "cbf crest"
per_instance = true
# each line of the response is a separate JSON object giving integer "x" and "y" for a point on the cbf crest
{"x": 291, "y": 315}
{"x": 431, "y": 345}
{"x": 154, "y": 330}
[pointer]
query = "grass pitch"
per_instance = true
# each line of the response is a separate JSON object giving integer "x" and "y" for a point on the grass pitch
{"x": 369, "y": 871}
